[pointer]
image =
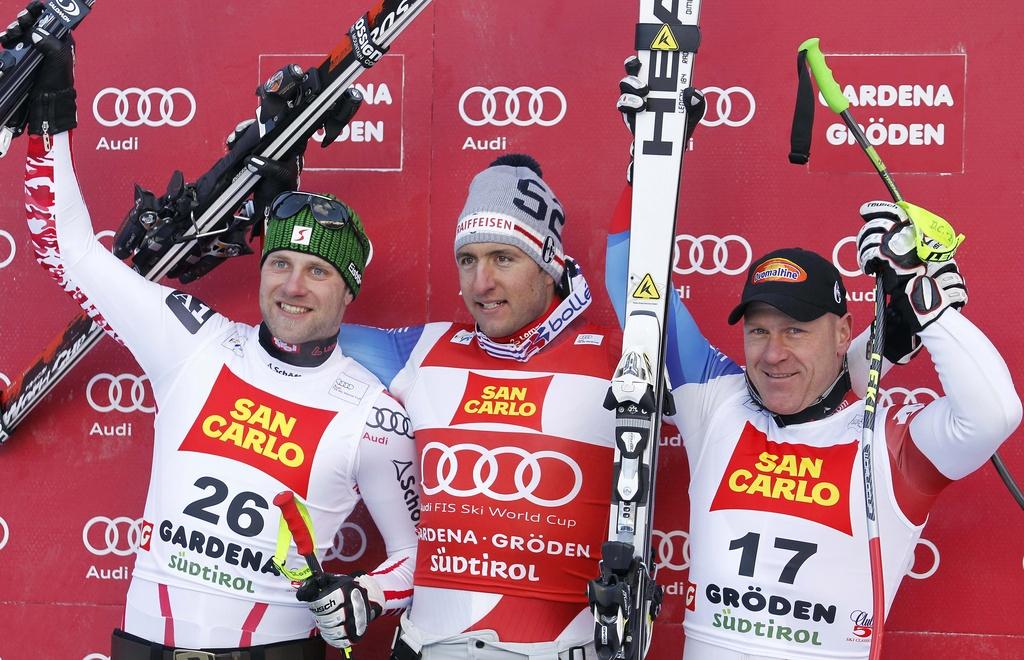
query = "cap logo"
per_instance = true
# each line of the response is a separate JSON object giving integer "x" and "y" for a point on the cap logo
{"x": 778, "y": 270}
{"x": 301, "y": 235}
{"x": 837, "y": 293}
{"x": 354, "y": 272}
{"x": 496, "y": 223}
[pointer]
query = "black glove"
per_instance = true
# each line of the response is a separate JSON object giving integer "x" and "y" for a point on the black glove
{"x": 343, "y": 605}
{"x": 51, "y": 103}
{"x": 18, "y": 32}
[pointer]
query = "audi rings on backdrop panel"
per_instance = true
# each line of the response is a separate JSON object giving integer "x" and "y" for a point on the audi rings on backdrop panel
{"x": 502, "y": 106}
{"x": 119, "y": 536}
{"x": 338, "y": 549}
{"x": 124, "y": 393}
{"x": 730, "y": 255}
{"x": 10, "y": 249}
{"x": 725, "y": 106}
{"x": 665, "y": 554}
{"x": 134, "y": 107}
{"x": 5, "y": 533}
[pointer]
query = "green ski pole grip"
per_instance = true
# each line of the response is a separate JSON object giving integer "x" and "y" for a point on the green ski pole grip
{"x": 823, "y": 75}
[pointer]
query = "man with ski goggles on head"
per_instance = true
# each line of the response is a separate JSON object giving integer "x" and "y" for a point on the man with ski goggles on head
{"x": 778, "y": 537}
{"x": 244, "y": 413}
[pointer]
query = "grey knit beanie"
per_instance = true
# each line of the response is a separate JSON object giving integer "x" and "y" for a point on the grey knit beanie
{"x": 510, "y": 203}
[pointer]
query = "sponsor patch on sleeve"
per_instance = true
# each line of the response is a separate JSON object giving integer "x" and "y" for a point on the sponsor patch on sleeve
{"x": 589, "y": 340}
{"x": 192, "y": 312}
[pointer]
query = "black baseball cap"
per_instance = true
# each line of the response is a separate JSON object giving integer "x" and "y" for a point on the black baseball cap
{"x": 797, "y": 282}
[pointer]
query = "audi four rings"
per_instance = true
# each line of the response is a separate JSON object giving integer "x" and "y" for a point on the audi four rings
{"x": 723, "y": 106}
{"x": 665, "y": 555}
{"x": 846, "y": 272}
{"x": 337, "y": 549}
{"x": 721, "y": 255}
{"x": 485, "y": 472}
{"x": 135, "y": 107}
{"x": 544, "y": 106}
{"x": 119, "y": 536}
{"x": 390, "y": 421}
{"x": 6, "y": 261}
{"x": 124, "y": 393}
{"x": 910, "y": 396}
{"x": 5, "y": 533}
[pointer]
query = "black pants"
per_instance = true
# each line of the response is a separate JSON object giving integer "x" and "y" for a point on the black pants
{"x": 129, "y": 647}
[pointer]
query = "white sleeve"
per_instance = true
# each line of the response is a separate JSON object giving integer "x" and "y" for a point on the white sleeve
{"x": 961, "y": 430}
{"x": 156, "y": 323}
{"x": 388, "y": 475}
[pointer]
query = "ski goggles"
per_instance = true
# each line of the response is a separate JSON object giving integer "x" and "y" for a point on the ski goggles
{"x": 327, "y": 211}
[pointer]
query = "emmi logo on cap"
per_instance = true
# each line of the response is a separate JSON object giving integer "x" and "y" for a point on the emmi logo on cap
{"x": 778, "y": 270}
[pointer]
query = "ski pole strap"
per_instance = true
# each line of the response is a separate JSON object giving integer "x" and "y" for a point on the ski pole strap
{"x": 662, "y": 36}
{"x": 937, "y": 241}
{"x": 803, "y": 114}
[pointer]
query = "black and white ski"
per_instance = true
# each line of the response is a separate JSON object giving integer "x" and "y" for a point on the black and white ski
{"x": 18, "y": 63}
{"x": 363, "y": 46}
{"x": 667, "y": 37}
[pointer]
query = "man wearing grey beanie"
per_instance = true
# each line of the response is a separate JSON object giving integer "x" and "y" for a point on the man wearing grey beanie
{"x": 515, "y": 446}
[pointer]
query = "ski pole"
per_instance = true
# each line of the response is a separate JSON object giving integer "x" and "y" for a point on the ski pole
{"x": 298, "y": 524}
{"x": 841, "y": 106}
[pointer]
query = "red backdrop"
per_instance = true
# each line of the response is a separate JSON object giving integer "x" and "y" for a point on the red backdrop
{"x": 927, "y": 76}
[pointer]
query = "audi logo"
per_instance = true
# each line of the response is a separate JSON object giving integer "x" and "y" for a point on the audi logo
{"x": 337, "y": 549}
{"x": 4, "y": 263}
{"x": 728, "y": 105}
{"x": 5, "y": 533}
{"x": 96, "y": 656}
{"x": 522, "y": 106}
{"x": 721, "y": 258}
{"x": 924, "y": 575}
{"x": 106, "y": 233}
{"x": 119, "y": 536}
{"x": 666, "y": 555}
{"x": 486, "y": 469}
{"x": 152, "y": 107}
{"x": 5, "y": 379}
{"x": 124, "y": 393}
{"x": 390, "y": 421}
{"x": 847, "y": 272}
{"x": 901, "y": 396}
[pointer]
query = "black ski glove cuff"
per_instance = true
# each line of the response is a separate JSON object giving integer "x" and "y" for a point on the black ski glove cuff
{"x": 53, "y": 112}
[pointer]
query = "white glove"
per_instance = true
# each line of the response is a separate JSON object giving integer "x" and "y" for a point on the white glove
{"x": 918, "y": 291}
{"x": 343, "y": 606}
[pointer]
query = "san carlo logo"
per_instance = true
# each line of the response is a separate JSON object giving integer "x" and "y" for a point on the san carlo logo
{"x": 708, "y": 254}
{"x": 672, "y": 551}
{"x": 134, "y": 107}
{"x": 519, "y": 106}
{"x": 124, "y": 393}
{"x": 349, "y": 543}
{"x": 10, "y": 248}
{"x": 733, "y": 106}
{"x": 5, "y": 533}
{"x": 522, "y": 473}
{"x": 120, "y": 536}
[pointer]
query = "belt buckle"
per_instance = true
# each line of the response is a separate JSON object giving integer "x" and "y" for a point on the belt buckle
{"x": 189, "y": 654}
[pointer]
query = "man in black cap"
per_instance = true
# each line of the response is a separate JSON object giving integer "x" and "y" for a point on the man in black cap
{"x": 778, "y": 540}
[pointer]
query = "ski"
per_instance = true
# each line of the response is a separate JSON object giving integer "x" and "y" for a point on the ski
{"x": 226, "y": 186}
{"x": 18, "y": 63}
{"x": 667, "y": 38}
